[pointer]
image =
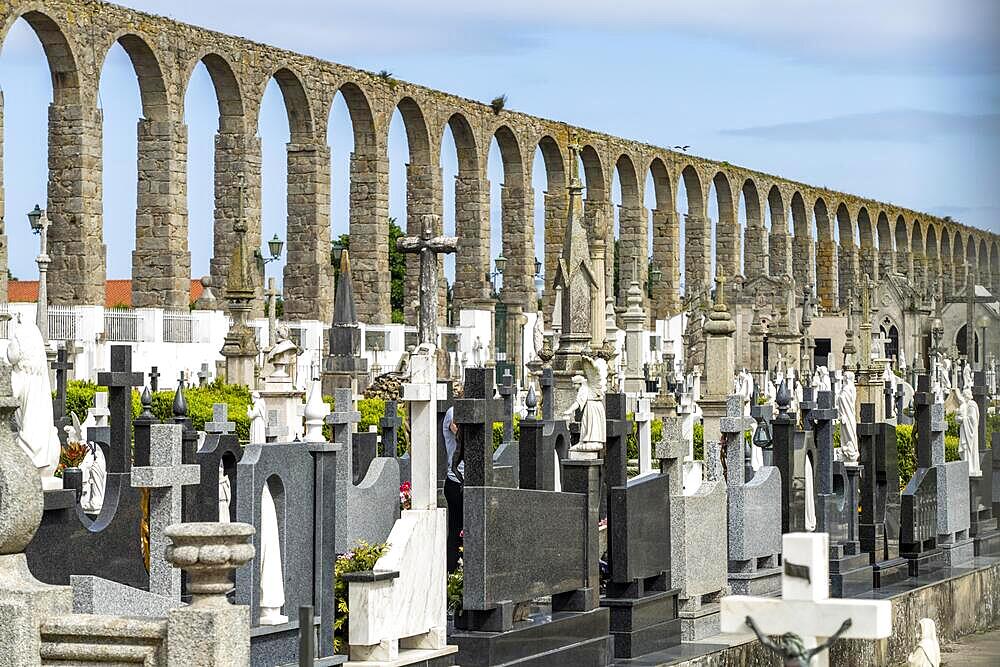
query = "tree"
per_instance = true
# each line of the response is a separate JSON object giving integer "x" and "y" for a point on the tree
{"x": 397, "y": 269}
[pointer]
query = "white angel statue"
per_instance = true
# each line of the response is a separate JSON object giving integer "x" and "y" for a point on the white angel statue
{"x": 94, "y": 467}
{"x": 967, "y": 415}
{"x": 29, "y": 379}
{"x": 589, "y": 401}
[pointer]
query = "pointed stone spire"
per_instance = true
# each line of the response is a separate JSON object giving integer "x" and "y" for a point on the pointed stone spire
{"x": 345, "y": 366}
{"x": 343, "y": 305}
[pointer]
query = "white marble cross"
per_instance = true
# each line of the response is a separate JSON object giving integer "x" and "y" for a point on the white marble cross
{"x": 421, "y": 393}
{"x": 805, "y": 607}
{"x": 644, "y": 421}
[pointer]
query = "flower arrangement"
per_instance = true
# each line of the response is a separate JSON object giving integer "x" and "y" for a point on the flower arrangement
{"x": 71, "y": 455}
{"x": 361, "y": 559}
{"x": 456, "y": 585}
{"x": 405, "y": 496}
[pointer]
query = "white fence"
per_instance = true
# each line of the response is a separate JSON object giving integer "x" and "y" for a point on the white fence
{"x": 178, "y": 327}
{"x": 122, "y": 325}
{"x": 62, "y": 323}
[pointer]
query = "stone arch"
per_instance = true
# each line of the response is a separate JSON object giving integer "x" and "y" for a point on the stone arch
{"x": 867, "y": 254}
{"x": 59, "y": 52}
{"x": 697, "y": 235}
{"x": 368, "y": 205}
{"x": 755, "y": 259}
{"x": 904, "y": 251}
{"x": 803, "y": 269}
{"x": 918, "y": 256}
{"x": 424, "y": 196}
{"x": 228, "y": 93}
{"x": 633, "y": 222}
{"x": 666, "y": 242}
{"x": 826, "y": 256}
{"x": 297, "y": 106}
{"x": 946, "y": 272}
{"x": 156, "y": 104}
{"x": 593, "y": 174}
{"x": 471, "y": 217}
{"x": 517, "y": 222}
{"x": 727, "y": 232}
{"x": 957, "y": 261}
{"x": 995, "y": 267}
{"x": 983, "y": 265}
{"x": 886, "y": 246}
{"x": 847, "y": 257}
{"x": 76, "y": 240}
{"x": 555, "y": 206}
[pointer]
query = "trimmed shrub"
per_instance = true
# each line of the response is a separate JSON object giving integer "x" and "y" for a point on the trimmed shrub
{"x": 906, "y": 453}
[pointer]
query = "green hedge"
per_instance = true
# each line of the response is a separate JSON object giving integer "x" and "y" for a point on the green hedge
{"x": 372, "y": 410}
{"x": 80, "y": 398}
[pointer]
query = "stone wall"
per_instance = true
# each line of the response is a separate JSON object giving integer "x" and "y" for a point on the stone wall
{"x": 77, "y": 34}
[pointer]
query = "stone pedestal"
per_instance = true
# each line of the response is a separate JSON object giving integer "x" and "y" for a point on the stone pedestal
{"x": 284, "y": 409}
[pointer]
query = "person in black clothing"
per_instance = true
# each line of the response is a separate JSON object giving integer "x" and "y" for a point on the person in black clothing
{"x": 453, "y": 487}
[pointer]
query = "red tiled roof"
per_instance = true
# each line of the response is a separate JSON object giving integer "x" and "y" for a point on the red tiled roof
{"x": 117, "y": 293}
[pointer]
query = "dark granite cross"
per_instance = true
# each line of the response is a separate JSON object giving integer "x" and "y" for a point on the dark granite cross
{"x": 970, "y": 300}
{"x": 389, "y": 425}
{"x": 119, "y": 382}
{"x": 547, "y": 382}
{"x": 506, "y": 390}
{"x": 154, "y": 380}
{"x": 61, "y": 365}
{"x": 475, "y": 415}
{"x": 428, "y": 247}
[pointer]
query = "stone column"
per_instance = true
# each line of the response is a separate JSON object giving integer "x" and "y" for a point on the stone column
{"x": 727, "y": 247}
{"x": 826, "y": 273}
{"x": 632, "y": 244}
{"x": 868, "y": 263}
{"x": 236, "y": 153}
{"x": 370, "y": 220}
{"x": 946, "y": 273}
{"x": 76, "y": 235}
{"x": 556, "y": 210}
{"x": 210, "y": 631}
{"x": 3, "y": 236}
{"x": 903, "y": 262}
{"x": 423, "y": 190}
{"x": 517, "y": 219}
{"x": 634, "y": 319}
{"x": 918, "y": 270}
{"x": 802, "y": 261}
{"x": 472, "y": 228}
{"x": 598, "y": 220}
{"x": 720, "y": 362}
{"x": 847, "y": 263}
{"x": 697, "y": 253}
{"x": 161, "y": 261}
{"x": 886, "y": 262}
{"x": 308, "y": 284}
{"x": 666, "y": 255}
{"x": 755, "y": 261}
{"x": 780, "y": 251}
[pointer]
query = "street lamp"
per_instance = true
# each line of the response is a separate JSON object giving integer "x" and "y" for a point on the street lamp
{"x": 336, "y": 252}
{"x": 274, "y": 247}
{"x": 538, "y": 267}
{"x": 40, "y": 225}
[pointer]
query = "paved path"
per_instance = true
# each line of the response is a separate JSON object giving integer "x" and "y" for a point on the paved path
{"x": 973, "y": 651}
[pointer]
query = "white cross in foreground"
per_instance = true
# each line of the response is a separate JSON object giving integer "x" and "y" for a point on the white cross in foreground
{"x": 805, "y": 607}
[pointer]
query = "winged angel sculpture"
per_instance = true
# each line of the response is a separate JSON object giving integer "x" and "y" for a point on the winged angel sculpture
{"x": 591, "y": 382}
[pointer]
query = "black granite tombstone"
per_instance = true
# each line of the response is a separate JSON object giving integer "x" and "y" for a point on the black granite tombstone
{"x": 110, "y": 544}
{"x": 789, "y": 447}
{"x": 918, "y": 509}
{"x": 643, "y": 606}
{"x": 389, "y": 425}
{"x": 365, "y": 446}
{"x": 888, "y": 567}
{"x": 505, "y": 455}
{"x": 983, "y": 521}
{"x": 836, "y": 506}
{"x": 522, "y": 544}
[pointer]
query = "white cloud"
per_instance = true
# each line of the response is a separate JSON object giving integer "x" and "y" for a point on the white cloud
{"x": 959, "y": 35}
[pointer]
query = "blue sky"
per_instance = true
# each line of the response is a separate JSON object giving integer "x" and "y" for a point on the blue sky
{"x": 897, "y": 101}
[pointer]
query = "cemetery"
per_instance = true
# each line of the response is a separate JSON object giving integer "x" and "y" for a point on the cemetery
{"x": 787, "y": 461}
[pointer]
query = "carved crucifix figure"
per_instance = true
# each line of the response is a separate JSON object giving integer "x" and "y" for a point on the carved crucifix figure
{"x": 427, "y": 246}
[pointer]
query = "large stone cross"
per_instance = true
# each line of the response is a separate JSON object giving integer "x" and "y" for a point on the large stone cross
{"x": 427, "y": 246}
{"x": 154, "y": 379}
{"x": 119, "y": 382}
{"x": 970, "y": 300}
{"x": 164, "y": 478}
{"x": 220, "y": 423}
{"x": 805, "y": 607}
{"x": 389, "y": 425}
{"x": 61, "y": 365}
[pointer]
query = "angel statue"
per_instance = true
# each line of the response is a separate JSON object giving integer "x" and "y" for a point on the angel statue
{"x": 29, "y": 379}
{"x": 967, "y": 415}
{"x": 846, "y": 413}
{"x": 790, "y": 647}
{"x": 589, "y": 402}
{"x": 94, "y": 467}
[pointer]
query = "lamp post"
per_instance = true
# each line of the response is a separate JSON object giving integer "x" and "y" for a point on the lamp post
{"x": 40, "y": 225}
{"x": 274, "y": 248}
{"x": 983, "y": 323}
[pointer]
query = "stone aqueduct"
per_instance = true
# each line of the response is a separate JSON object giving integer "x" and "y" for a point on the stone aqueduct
{"x": 76, "y": 35}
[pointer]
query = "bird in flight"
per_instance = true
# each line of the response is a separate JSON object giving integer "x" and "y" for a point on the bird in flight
{"x": 683, "y": 148}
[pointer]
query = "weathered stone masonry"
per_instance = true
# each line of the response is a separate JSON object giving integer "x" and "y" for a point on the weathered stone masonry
{"x": 873, "y": 237}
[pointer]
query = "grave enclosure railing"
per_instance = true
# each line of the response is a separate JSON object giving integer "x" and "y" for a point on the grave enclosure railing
{"x": 62, "y": 323}
{"x": 122, "y": 325}
{"x": 178, "y": 327}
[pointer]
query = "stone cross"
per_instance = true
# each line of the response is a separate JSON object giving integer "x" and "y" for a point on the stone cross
{"x": 805, "y": 607}
{"x": 100, "y": 411}
{"x": 547, "y": 381}
{"x": 119, "y": 382}
{"x": 421, "y": 393}
{"x": 164, "y": 478}
{"x": 475, "y": 414}
{"x": 272, "y": 312}
{"x": 390, "y": 424}
{"x": 428, "y": 246}
{"x": 154, "y": 379}
{"x": 220, "y": 423}
{"x": 61, "y": 365}
{"x": 970, "y": 300}
{"x": 644, "y": 425}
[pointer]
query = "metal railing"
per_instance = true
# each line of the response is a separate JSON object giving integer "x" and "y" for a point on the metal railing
{"x": 178, "y": 327}
{"x": 122, "y": 325}
{"x": 62, "y": 323}
{"x": 4, "y": 314}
